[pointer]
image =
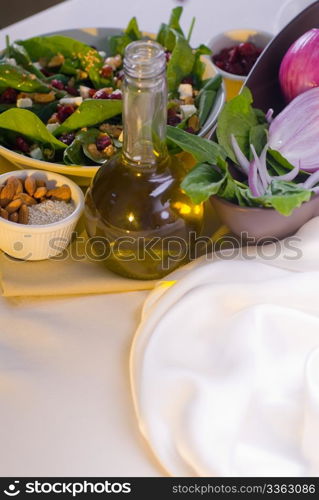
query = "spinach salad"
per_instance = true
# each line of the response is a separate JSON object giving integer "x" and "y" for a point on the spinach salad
{"x": 61, "y": 100}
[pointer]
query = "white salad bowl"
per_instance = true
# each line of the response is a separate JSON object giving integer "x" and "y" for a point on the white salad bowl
{"x": 98, "y": 37}
{"x": 39, "y": 242}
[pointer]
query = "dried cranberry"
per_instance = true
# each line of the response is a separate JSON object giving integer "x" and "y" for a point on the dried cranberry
{"x": 116, "y": 95}
{"x": 57, "y": 84}
{"x": 101, "y": 94}
{"x": 67, "y": 138}
{"x": 107, "y": 71}
{"x": 173, "y": 120}
{"x": 247, "y": 49}
{"x": 238, "y": 59}
{"x": 233, "y": 55}
{"x": 72, "y": 90}
{"x": 22, "y": 145}
{"x": 102, "y": 142}
{"x": 64, "y": 112}
{"x": 92, "y": 92}
{"x": 9, "y": 96}
{"x": 190, "y": 130}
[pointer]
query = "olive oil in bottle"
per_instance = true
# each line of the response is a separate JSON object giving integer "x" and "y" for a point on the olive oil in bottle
{"x": 139, "y": 220}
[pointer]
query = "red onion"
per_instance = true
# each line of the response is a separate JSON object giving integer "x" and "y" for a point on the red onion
{"x": 299, "y": 70}
{"x": 294, "y": 132}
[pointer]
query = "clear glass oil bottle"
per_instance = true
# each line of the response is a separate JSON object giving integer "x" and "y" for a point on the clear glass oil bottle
{"x": 136, "y": 215}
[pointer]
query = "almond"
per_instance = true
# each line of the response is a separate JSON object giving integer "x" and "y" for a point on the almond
{"x": 23, "y": 216}
{"x": 25, "y": 198}
{"x": 4, "y": 214}
{"x": 62, "y": 193}
{"x": 14, "y": 217}
{"x": 30, "y": 185}
{"x": 40, "y": 192}
{"x": 19, "y": 188}
{"x": 41, "y": 183}
{"x": 7, "y": 194}
{"x": 14, "y": 205}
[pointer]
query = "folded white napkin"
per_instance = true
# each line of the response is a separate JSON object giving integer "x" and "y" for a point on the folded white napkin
{"x": 225, "y": 365}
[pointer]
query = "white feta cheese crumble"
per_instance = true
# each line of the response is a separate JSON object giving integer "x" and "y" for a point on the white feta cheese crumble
{"x": 37, "y": 65}
{"x": 52, "y": 127}
{"x": 185, "y": 90}
{"x": 36, "y": 153}
{"x": 117, "y": 92}
{"x": 188, "y": 110}
{"x": 11, "y": 60}
{"x": 102, "y": 54}
{"x": 84, "y": 91}
{"x": 76, "y": 101}
{"x": 24, "y": 102}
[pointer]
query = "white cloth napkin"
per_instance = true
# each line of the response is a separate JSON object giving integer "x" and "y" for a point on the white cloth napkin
{"x": 225, "y": 365}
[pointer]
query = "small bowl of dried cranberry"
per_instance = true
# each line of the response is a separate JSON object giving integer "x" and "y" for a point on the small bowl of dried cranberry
{"x": 235, "y": 53}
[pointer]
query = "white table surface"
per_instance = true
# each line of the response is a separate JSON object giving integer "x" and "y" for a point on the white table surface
{"x": 65, "y": 406}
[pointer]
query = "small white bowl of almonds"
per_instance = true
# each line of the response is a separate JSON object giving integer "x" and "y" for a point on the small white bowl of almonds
{"x": 38, "y": 213}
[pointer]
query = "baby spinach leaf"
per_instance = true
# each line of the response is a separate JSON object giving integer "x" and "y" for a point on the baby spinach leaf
{"x": 49, "y": 46}
{"x": 284, "y": 197}
{"x": 213, "y": 83}
{"x": 203, "y": 150}
{"x": 258, "y": 138}
{"x": 119, "y": 42}
{"x": 237, "y": 117}
{"x": 20, "y": 79}
{"x": 73, "y": 154}
{"x": 22, "y": 58}
{"x": 77, "y": 153}
{"x": 180, "y": 63}
{"x": 167, "y": 32}
{"x": 206, "y": 103}
{"x": 90, "y": 112}
{"x": 202, "y": 182}
{"x": 26, "y": 123}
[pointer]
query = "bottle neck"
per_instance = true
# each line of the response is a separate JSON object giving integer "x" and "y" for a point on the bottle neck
{"x": 144, "y": 105}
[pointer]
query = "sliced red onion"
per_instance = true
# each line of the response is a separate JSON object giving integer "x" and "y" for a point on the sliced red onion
{"x": 269, "y": 115}
{"x": 254, "y": 182}
{"x": 241, "y": 158}
{"x": 294, "y": 132}
{"x": 312, "y": 180}
{"x": 290, "y": 176}
{"x": 261, "y": 166}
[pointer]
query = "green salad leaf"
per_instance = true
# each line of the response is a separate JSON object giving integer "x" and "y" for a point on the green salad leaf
{"x": 203, "y": 150}
{"x": 167, "y": 32}
{"x": 91, "y": 112}
{"x": 202, "y": 182}
{"x": 26, "y": 123}
{"x": 258, "y": 138}
{"x": 48, "y": 46}
{"x": 130, "y": 34}
{"x": 18, "y": 52}
{"x": 284, "y": 196}
{"x": 180, "y": 63}
{"x": 20, "y": 79}
{"x": 78, "y": 153}
{"x": 237, "y": 118}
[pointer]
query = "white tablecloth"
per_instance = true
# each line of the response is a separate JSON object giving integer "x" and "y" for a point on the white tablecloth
{"x": 65, "y": 406}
